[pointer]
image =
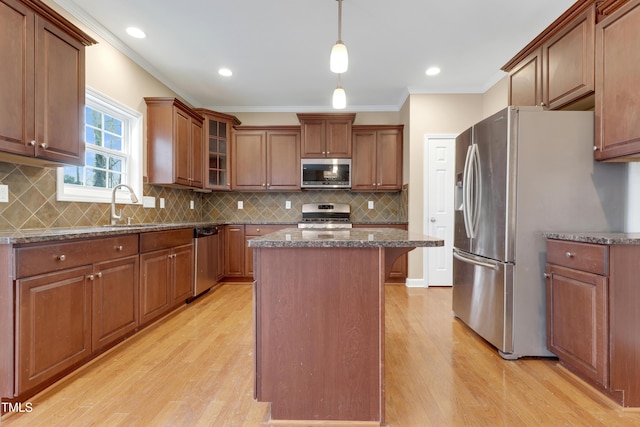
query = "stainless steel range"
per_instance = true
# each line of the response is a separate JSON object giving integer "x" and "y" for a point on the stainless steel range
{"x": 325, "y": 215}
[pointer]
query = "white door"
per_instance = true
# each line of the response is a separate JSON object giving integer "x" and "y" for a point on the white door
{"x": 439, "y": 187}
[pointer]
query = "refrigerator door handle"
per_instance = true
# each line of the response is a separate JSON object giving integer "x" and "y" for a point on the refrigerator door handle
{"x": 466, "y": 192}
{"x": 470, "y": 259}
{"x": 475, "y": 193}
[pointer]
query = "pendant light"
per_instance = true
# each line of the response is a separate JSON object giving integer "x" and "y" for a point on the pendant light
{"x": 339, "y": 60}
{"x": 339, "y": 96}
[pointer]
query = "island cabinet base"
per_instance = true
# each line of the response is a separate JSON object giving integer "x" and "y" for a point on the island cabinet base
{"x": 319, "y": 330}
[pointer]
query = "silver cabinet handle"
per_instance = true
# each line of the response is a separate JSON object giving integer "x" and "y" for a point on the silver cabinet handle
{"x": 32, "y": 143}
{"x": 99, "y": 274}
{"x": 43, "y": 145}
{"x": 546, "y": 275}
{"x": 119, "y": 248}
{"x": 569, "y": 255}
{"x": 91, "y": 277}
{"x": 61, "y": 257}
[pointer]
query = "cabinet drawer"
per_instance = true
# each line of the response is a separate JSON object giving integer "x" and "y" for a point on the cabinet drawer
{"x": 261, "y": 230}
{"x": 156, "y": 240}
{"x": 38, "y": 259}
{"x": 580, "y": 256}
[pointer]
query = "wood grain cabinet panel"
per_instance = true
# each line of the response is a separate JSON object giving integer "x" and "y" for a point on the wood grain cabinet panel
{"x": 326, "y": 135}
{"x": 617, "y": 130}
{"x": 175, "y": 151}
{"x": 592, "y": 314}
{"x": 525, "y": 81}
{"x": 568, "y": 62}
{"x": 43, "y": 85}
{"x": 114, "y": 300}
{"x": 53, "y": 325}
{"x": 377, "y": 158}
{"x": 266, "y": 159}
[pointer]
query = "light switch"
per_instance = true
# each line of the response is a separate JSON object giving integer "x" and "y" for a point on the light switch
{"x": 148, "y": 202}
{"x": 161, "y": 202}
{"x": 192, "y": 205}
{"x": 4, "y": 194}
{"x": 240, "y": 204}
{"x": 287, "y": 204}
{"x": 370, "y": 204}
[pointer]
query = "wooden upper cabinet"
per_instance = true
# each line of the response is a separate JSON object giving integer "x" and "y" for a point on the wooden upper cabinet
{"x": 377, "y": 158}
{"x": 568, "y": 62}
{"x": 217, "y": 148}
{"x": 266, "y": 158}
{"x": 326, "y": 135}
{"x": 617, "y": 121}
{"x": 525, "y": 81}
{"x": 42, "y": 85}
{"x": 174, "y": 143}
{"x": 556, "y": 70}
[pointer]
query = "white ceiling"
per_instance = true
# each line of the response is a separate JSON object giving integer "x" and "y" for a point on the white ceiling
{"x": 279, "y": 49}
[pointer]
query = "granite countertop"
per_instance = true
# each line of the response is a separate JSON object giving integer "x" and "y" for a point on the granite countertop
{"x": 57, "y": 234}
{"x": 598, "y": 238}
{"x": 343, "y": 238}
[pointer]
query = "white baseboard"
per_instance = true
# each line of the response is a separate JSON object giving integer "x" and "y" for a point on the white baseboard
{"x": 416, "y": 283}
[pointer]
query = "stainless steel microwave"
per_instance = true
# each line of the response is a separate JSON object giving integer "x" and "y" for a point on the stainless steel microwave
{"x": 326, "y": 173}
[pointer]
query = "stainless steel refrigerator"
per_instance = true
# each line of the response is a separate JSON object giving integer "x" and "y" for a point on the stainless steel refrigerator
{"x": 519, "y": 173}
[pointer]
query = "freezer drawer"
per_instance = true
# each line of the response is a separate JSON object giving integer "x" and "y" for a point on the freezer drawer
{"x": 483, "y": 297}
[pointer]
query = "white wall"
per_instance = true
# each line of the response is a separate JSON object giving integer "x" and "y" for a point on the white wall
{"x": 633, "y": 199}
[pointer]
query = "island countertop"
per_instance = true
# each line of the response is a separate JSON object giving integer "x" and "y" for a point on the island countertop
{"x": 344, "y": 238}
{"x": 597, "y": 238}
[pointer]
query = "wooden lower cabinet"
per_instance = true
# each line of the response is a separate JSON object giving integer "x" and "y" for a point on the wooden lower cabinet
{"x": 114, "y": 300}
{"x": 238, "y": 255}
{"x": 166, "y": 273}
{"x": 53, "y": 325}
{"x": 592, "y": 314}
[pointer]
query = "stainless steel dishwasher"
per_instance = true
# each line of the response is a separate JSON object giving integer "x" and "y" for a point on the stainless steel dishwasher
{"x": 205, "y": 241}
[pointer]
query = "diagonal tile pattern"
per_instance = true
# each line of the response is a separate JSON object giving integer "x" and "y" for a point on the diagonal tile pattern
{"x": 33, "y": 205}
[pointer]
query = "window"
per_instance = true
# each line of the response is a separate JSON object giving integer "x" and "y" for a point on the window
{"x": 113, "y": 154}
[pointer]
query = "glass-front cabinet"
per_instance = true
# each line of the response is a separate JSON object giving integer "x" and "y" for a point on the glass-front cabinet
{"x": 217, "y": 134}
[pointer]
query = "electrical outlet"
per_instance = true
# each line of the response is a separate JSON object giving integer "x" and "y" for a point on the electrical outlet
{"x": 240, "y": 204}
{"x": 161, "y": 202}
{"x": 148, "y": 202}
{"x": 287, "y": 204}
{"x": 4, "y": 194}
{"x": 192, "y": 205}
{"x": 370, "y": 204}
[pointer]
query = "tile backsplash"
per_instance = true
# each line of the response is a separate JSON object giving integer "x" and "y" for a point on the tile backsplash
{"x": 33, "y": 205}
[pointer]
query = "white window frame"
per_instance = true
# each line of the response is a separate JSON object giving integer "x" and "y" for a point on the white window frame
{"x": 132, "y": 149}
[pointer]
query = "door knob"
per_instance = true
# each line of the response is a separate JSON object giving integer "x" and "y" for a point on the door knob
{"x": 433, "y": 219}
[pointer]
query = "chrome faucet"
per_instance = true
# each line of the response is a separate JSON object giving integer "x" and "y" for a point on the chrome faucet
{"x": 115, "y": 216}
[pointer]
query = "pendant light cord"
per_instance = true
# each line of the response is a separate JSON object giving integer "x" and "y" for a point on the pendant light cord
{"x": 340, "y": 21}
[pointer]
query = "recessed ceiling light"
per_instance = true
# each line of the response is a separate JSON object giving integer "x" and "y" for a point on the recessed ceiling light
{"x": 433, "y": 71}
{"x": 136, "y": 32}
{"x": 225, "y": 72}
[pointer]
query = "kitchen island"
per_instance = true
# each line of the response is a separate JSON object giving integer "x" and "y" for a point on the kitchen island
{"x": 319, "y": 321}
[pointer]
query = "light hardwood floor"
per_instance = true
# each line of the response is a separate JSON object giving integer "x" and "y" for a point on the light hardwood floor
{"x": 194, "y": 368}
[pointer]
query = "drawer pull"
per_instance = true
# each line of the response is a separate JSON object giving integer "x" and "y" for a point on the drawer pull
{"x": 119, "y": 248}
{"x": 99, "y": 274}
{"x": 61, "y": 257}
{"x": 91, "y": 277}
{"x": 547, "y": 275}
{"x": 570, "y": 255}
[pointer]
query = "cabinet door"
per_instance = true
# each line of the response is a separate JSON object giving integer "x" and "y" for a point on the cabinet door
{"x": 568, "y": 62}
{"x": 155, "y": 284}
{"x": 389, "y": 160}
{"x": 313, "y": 138}
{"x": 283, "y": 160}
{"x": 248, "y": 157}
{"x": 617, "y": 128}
{"x": 338, "y": 138}
{"x": 59, "y": 95}
{"x": 216, "y": 154}
{"x": 525, "y": 81}
{"x": 182, "y": 148}
{"x": 115, "y": 300}
{"x": 16, "y": 85}
{"x": 197, "y": 154}
{"x": 577, "y": 321}
{"x": 363, "y": 173}
{"x": 183, "y": 273}
{"x": 234, "y": 250}
{"x": 53, "y": 325}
